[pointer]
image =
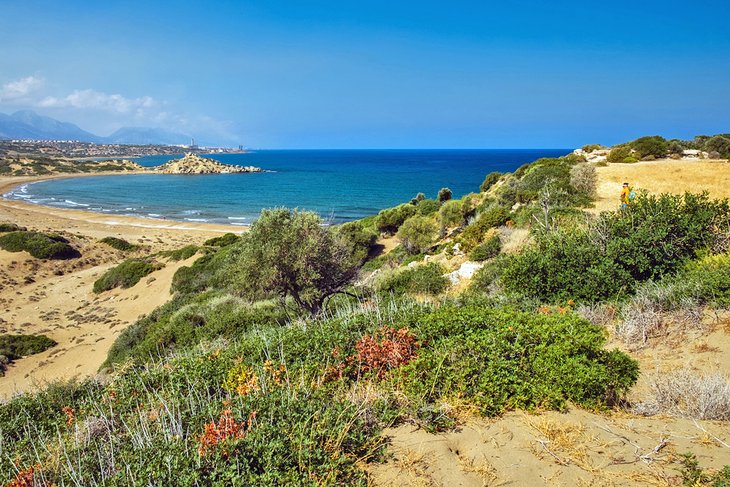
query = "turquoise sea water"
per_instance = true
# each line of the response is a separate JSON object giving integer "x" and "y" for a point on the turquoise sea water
{"x": 341, "y": 185}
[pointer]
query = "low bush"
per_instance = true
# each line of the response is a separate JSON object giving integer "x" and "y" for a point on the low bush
{"x": 695, "y": 476}
{"x": 222, "y": 241}
{"x": 17, "y": 346}
{"x": 358, "y": 238}
{"x": 686, "y": 393}
{"x": 390, "y": 220}
{"x": 417, "y": 234}
{"x": 451, "y": 214}
{"x": 651, "y": 239}
{"x": 473, "y": 234}
{"x": 125, "y": 275}
{"x": 486, "y": 250}
{"x": 183, "y": 253}
{"x": 119, "y": 244}
{"x": 503, "y": 360}
{"x": 619, "y": 153}
{"x": 489, "y": 181}
{"x": 422, "y": 279}
{"x": 39, "y": 245}
{"x": 11, "y": 227}
{"x": 428, "y": 207}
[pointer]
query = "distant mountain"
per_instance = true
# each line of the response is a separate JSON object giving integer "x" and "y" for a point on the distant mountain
{"x": 26, "y": 124}
{"x": 142, "y": 135}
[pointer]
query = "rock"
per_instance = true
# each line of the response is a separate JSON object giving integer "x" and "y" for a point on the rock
{"x": 194, "y": 164}
{"x": 466, "y": 271}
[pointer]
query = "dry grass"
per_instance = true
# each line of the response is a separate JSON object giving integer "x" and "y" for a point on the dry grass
{"x": 567, "y": 443}
{"x": 686, "y": 393}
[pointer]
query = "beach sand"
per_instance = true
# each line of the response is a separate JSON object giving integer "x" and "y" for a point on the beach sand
{"x": 55, "y": 298}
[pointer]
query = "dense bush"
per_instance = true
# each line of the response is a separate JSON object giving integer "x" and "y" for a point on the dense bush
{"x": 119, "y": 244}
{"x": 125, "y": 275}
{"x": 39, "y": 245}
{"x": 474, "y": 233}
{"x": 417, "y": 234}
{"x": 428, "y": 207}
{"x": 649, "y": 240}
{"x": 183, "y": 253}
{"x": 489, "y": 181}
{"x": 444, "y": 195}
{"x": 16, "y": 346}
{"x": 389, "y": 220}
{"x": 583, "y": 178}
{"x": 358, "y": 238}
{"x": 486, "y": 250}
{"x": 451, "y": 214}
{"x": 11, "y": 227}
{"x": 719, "y": 144}
{"x": 422, "y": 279}
{"x": 650, "y": 146}
{"x": 503, "y": 360}
{"x": 222, "y": 241}
{"x": 619, "y": 153}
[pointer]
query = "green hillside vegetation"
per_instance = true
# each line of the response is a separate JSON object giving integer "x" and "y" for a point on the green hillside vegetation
{"x": 119, "y": 244}
{"x": 11, "y": 227}
{"x": 287, "y": 350}
{"x": 39, "y": 245}
{"x": 126, "y": 274}
{"x": 13, "y": 347}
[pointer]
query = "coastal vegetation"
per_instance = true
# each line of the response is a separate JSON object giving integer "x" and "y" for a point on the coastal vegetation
{"x": 286, "y": 351}
{"x": 126, "y": 274}
{"x": 13, "y": 347}
{"x": 119, "y": 244}
{"x": 39, "y": 245}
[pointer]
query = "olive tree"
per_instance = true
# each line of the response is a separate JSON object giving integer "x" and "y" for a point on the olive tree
{"x": 290, "y": 253}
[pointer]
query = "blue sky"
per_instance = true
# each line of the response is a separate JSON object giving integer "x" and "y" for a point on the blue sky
{"x": 375, "y": 74}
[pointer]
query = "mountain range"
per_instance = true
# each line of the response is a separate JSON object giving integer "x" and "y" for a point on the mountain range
{"x": 26, "y": 124}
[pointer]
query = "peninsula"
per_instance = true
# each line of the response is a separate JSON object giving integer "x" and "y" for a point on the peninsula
{"x": 194, "y": 164}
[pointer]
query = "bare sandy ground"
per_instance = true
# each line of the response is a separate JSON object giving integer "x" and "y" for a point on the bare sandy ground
{"x": 55, "y": 298}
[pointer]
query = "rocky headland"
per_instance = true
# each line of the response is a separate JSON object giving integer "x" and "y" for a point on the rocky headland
{"x": 194, "y": 164}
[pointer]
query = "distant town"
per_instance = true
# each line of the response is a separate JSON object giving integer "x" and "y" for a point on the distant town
{"x": 84, "y": 150}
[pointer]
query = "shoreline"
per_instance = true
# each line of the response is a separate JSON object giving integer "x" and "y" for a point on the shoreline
{"x": 22, "y": 209}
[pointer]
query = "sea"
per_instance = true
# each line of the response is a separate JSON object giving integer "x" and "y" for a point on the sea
{"x": 340, "y": 185}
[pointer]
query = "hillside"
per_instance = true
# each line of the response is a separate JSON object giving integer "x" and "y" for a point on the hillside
{"x": 509, "y": 336}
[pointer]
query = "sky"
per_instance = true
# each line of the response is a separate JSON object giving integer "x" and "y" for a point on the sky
{"x": 373, "y": 74}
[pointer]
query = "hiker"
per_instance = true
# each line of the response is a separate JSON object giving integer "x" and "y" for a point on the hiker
{"x": 625, "y": 195}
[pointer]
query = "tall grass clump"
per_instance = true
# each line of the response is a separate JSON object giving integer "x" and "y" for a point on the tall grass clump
{"x": 119, "y": 244}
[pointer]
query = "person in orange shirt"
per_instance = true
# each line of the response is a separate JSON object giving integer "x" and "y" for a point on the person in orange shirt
{"x": 625, "y": 193}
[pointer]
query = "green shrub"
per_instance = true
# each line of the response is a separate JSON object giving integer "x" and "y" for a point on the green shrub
{"x": 652, "y": 145}
{"x": 444, "y": 195}
{"x": 422, "y": 279}
{"x": 39, "y": 245}
{"x": 489, "y": 181}
{"x": 17, "y": 346}
{"x": 694, "y": 475}
{"x": 119, "y": 244}
{"x": 486, "y": 250}
{"x": 183, "y": 253}
{"x": 125, "y": 275}
{"x": 719, "y": 144}
{"x": 417, "y": 234}
{"x": 619, "y": 153}
{"x": 451, "y": 214}
{"x": 591, "y": 147}
{"x": 428, "y": 207}
{"x": 359, "y": 239}
{"x": 631, "y": 160}
{"x": 419, "y": 197}
{"x": 649, "y": 240}
{"x": 11, "y": 227}
{"x": 222, "y": 241}
{"x": 474, "y": 233}
{"x": 502, "y": 360}
{"x": 390, "y": 220}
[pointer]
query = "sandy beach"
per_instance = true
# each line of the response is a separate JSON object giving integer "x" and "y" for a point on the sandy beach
{"x": 55, "y": 298}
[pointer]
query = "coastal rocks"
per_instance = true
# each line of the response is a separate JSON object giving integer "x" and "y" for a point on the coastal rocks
{"x": 194, "y": 164}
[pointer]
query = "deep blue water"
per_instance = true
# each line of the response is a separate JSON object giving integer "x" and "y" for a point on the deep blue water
{"x": 339, "y": 184}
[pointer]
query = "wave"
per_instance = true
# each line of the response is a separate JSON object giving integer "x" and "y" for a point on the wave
{"x": 238, "y": 218}
{"x": 73, "y": 203}
{"x": 196, "y": 220}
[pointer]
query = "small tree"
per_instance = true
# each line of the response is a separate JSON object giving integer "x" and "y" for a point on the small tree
{"x": 444, "y": 194}
{"x": 583, "y": 178}
{"x": 417, "y": 234}
{"x": 289, "y": 253}
{"x": 451, "y": 214}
